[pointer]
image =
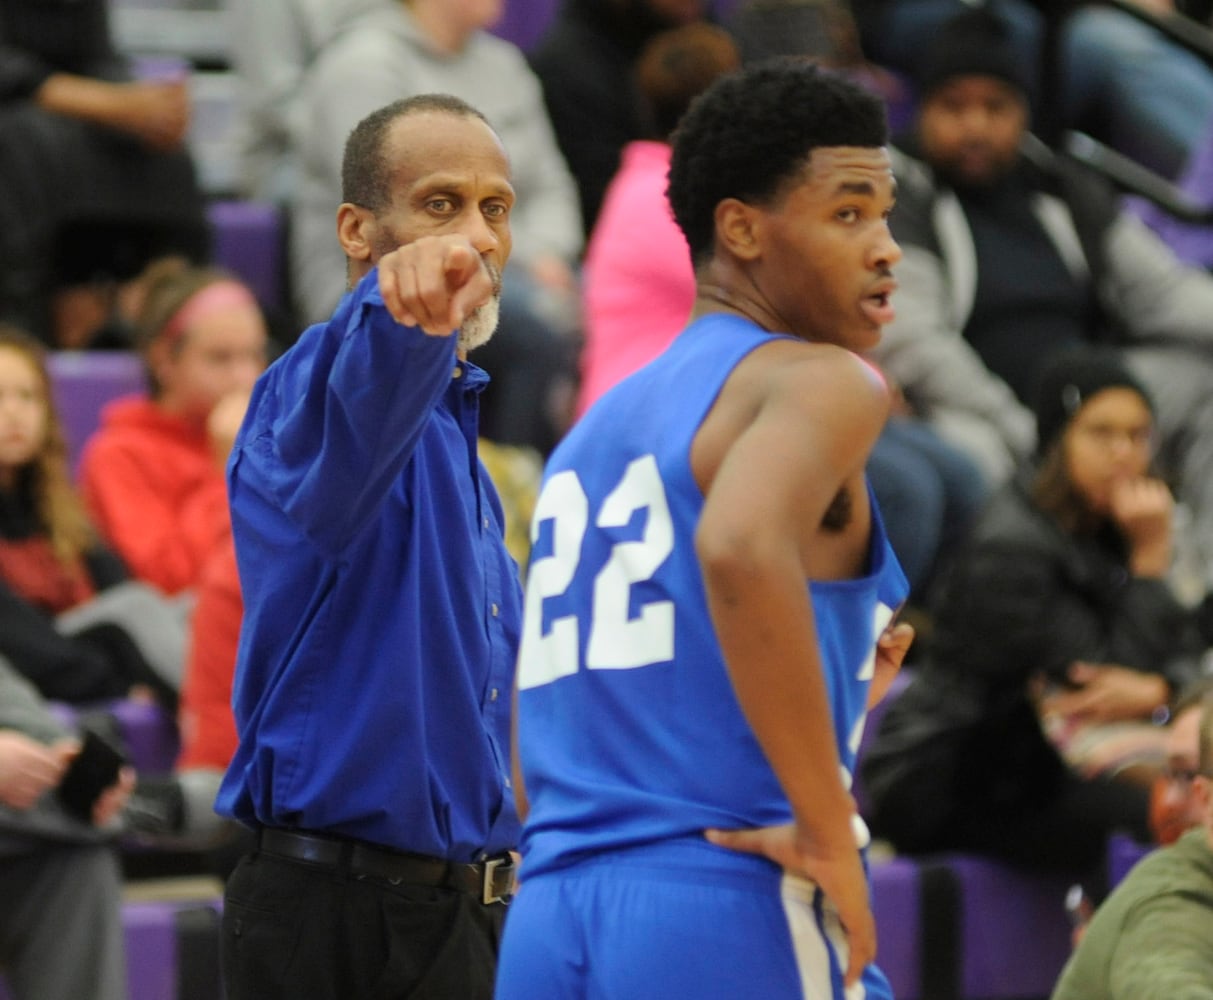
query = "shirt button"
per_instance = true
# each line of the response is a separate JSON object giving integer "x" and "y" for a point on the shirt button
{"x": 486, "y": 524}
{"x": 507, "y": 783}
{"x": 493, "y": 695}
{"x": 457, "y": 373}
{"x": 496, "y": 610}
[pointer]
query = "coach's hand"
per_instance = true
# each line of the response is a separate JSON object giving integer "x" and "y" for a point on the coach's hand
{"x": 434, "y": 283}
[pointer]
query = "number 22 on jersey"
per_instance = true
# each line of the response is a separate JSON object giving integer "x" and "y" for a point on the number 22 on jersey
{"x": 614, "y": 640}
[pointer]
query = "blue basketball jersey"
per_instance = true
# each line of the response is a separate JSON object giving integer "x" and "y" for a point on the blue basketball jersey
{"x": 629, "y": 730}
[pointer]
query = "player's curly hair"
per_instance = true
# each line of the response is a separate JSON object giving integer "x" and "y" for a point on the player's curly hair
{"x": 754, "y": 130}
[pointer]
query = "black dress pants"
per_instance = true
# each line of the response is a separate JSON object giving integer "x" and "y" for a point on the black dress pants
{"x": 293, "y": 930}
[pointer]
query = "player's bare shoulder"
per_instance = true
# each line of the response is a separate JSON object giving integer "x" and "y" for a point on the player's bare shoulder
{"x": 799, "y": 385}
{"x": 822, "y": 382}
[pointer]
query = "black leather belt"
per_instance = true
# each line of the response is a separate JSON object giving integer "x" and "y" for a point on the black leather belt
{"x": 491, "y": 881}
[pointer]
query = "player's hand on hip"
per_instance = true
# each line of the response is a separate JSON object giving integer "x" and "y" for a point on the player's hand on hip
{"x": 838, "y": 873}
{"x": 434, "y": 283}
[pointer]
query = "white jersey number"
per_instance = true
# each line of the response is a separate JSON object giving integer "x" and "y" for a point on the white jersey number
{"x": 615, "y": 641}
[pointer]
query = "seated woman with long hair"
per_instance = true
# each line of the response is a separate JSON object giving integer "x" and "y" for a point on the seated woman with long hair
{"x": 70, "y": 619}
{"x": 1029, "y": 731}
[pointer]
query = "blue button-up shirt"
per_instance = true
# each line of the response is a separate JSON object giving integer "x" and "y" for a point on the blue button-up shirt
{"x": 382, "y": 610}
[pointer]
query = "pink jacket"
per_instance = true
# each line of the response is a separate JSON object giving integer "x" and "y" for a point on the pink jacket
{"x": 637, "y": 280}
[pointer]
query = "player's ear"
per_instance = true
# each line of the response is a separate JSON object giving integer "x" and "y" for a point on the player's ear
{"x": 738, "y": 228}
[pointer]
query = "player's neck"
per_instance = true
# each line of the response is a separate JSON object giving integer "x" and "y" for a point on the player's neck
{"x": 719, "y": 297}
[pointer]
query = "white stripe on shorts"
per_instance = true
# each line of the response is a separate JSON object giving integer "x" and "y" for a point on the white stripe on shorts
{"x": 816, "y": 933}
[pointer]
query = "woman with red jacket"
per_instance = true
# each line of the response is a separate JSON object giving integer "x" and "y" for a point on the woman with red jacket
{"x": 148, "y": 474}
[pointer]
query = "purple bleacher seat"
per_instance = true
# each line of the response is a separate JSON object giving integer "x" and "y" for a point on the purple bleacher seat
{"x": 150, "y": 734}
{"x": 172, "y": 949}
{"x": 1124, "y": 852}
{"x": 248, "y": 241}
{"x": 82, "y": 382}
{"x": 896, "y": 906}
{"x": 1014, "y": 934}
{"x": 151, "y": 950}
{"x": 148, "y": 731}
{"x": 1191, "y": 241}
{"x": 524, "y": 23}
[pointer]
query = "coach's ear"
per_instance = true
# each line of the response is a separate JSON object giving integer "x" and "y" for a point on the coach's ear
{"x": 738, "y": 229}
{"x": 356, "y": 228}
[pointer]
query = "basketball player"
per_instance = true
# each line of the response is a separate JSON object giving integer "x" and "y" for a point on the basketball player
{"x": 711, "y": 590}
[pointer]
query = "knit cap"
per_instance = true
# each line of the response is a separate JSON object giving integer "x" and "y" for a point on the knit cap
{"x": 976, "y": 42}
{"x": 1069, "y": 381}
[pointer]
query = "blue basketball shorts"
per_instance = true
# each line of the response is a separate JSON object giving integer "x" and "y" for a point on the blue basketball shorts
{"x": 656, "y": 922}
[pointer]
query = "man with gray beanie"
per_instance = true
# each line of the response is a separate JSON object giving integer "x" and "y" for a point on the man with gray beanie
{"x": 1012, "y": 253}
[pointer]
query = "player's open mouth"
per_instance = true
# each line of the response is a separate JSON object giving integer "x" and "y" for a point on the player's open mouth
{"x": 879, "y": 307}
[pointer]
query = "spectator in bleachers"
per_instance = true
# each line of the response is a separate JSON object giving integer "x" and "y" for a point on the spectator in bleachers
{"x": 1149, "y": 940}
{"x": 1055, "y": 618}
{"x": 60, "y": 885}
{"x": 1173, "y": 808}
{"x": 94, "y": 179}
{"x": 71, "y": 620}
{"x": 148, "y": 473}
{"x": 1009, "y": 257}
{"x": 586, "y": 61}
{"x": 274, "y": 43}
{"x": 1118, "y": 78}
{"x": 410, "y": 47}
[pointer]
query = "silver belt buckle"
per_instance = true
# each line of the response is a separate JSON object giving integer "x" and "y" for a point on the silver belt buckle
{"x": 487, "y": 895}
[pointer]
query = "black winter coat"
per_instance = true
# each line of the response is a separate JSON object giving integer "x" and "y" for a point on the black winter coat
{"x": 1023, "y": 598}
